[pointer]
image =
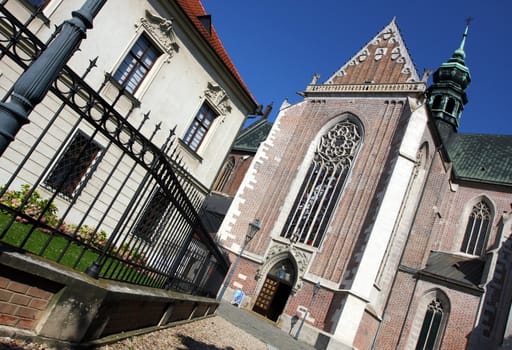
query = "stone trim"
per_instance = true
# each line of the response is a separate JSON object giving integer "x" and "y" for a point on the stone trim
{"x": 161, "y": 31}
{"x": 218, "y": 98}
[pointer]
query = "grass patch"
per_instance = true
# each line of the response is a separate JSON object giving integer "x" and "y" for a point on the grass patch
{"x": 38, "y": 240}
{"x": 55, "y": 245}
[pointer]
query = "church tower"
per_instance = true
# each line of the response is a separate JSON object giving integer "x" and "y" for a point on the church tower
{"x": 447, "y": 95}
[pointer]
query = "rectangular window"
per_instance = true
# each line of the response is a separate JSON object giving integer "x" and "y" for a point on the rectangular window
{"x": 68, "y": 173}
{"x": 136, "y": 64}
{"x": 199, "y": 127}
{"x": 38, "y": 3}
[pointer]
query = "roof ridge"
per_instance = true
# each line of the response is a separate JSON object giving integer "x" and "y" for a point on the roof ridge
{"x": 195, "y": 8}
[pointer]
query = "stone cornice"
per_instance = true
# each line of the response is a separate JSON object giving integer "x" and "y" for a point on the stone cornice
{"x": 343, "y": 89}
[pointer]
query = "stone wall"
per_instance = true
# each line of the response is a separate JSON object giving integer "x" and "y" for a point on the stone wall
{"x": 46, "y": 301}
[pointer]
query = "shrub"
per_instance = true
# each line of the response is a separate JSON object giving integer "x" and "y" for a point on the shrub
{"x": 34, "y": 205}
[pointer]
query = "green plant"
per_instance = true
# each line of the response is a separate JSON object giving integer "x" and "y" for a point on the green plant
{"x": 31, "y": 204}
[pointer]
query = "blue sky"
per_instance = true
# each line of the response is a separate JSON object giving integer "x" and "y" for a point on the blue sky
{"x": 277, "y": 45}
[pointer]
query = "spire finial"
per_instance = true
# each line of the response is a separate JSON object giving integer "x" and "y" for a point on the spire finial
{"x": 463, "y": 42}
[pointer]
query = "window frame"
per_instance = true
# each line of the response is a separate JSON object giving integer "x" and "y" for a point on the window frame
{"x": 123, "y": 78}
{"x": 193, "y": 129}
{"x": 429, "y": 340}
{"x": 44, "y": 4}
{"x": 479, "y": 238}
{"x": 321, "y": 172}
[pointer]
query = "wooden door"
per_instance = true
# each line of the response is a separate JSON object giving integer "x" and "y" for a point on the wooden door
{"x": 267, "y": 293}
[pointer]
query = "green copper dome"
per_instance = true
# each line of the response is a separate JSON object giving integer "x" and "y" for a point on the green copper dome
{"x": 447, "y": 96}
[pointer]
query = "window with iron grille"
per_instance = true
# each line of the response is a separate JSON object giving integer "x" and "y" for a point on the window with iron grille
{"x": 71, "y": 171}
{"x": 137, "y": 64}
{"x": 199, "y": 127}
{"x": 323, "y": 184}
{"x": 150, "y": 224}
{"x": 429, "y": 338}
{"x": 477, "y": 229}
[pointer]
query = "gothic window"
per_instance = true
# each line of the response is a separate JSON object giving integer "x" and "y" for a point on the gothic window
{"x": 149, "y": 226}
{"x": 475, "y": 236}
{"x": 69, "y": 173}
{"x": 136, "y": 64}
{"x": 323, "y": 184}
{"x": 450, "y": 105}
{"x": 199, "y": 127}
{"x": 431, "y": 331}
{"x": 437, "y": 102}
{"x": 225, "y": 174}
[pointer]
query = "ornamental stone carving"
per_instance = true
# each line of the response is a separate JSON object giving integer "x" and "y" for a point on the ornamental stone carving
{"x": 279, "y": 251}
{"x": 160, "y": 29}
{"x": 395, "y": 53}
{"x": 218, "y": 98}
{"x": 380, "y": 52}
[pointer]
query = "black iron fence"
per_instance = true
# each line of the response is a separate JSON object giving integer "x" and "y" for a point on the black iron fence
{"x": 91, "y": 185}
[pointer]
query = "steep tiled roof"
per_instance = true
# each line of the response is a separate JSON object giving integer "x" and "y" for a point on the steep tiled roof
{"x": 485, "y": 158}
{"x": 250, "y": 138}
{"x": 384, "y": 60}
{"x": 195, "y": 9}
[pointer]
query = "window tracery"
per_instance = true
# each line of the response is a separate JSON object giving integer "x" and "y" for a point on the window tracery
{"x": 475, "y": 236}
{"x": 323, "y": 184}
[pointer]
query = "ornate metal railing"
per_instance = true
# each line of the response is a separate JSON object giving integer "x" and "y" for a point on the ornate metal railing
{"x": 92, "y": 188}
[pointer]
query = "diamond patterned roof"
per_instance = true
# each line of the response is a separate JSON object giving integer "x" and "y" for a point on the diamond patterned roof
{"x": 250, "y": 138}
{"x": 486, "y": 158}
{"x": 384, "y": 60}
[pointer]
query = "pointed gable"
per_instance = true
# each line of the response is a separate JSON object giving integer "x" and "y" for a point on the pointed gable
{"x": 384, "y": 60}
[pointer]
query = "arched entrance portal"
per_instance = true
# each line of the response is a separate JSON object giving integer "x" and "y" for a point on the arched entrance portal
{"x": 275, "y": 290}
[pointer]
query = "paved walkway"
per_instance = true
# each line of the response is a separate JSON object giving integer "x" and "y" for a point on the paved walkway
{"x": 266, "y": 331}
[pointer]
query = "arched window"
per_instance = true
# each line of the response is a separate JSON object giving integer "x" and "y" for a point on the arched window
{"x": 322, "y": 186}
{"x": 475, "y": 236}
{"x": 225, "y": 174}
{"x": 431, "y": 329}
{"x": 437, "y": 102}
{"x": 450, "y": 105}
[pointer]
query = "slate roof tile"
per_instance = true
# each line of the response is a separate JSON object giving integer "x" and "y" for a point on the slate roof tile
{"x": 484, "y": 158}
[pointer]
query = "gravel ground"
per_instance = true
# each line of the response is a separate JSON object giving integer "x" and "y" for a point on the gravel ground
{"x": 212, "y": 333}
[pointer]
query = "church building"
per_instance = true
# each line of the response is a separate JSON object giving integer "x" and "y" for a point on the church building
{"x": 381, "y": 226}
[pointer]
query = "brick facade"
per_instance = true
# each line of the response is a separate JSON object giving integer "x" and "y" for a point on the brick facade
{"x": 400, "y": 209}
{"x": 21, "y": 302}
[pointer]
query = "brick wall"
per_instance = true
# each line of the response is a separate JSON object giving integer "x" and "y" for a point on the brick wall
{"x": 22, "y": 304}
{"x": 242, "y": 163}
{"x": 366, "y": 333}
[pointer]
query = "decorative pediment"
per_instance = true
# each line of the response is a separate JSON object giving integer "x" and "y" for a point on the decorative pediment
{"x": 161, "y": 31}
{"x": 218, "y": 98}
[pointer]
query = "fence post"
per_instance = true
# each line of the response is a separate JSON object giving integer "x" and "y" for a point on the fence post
{"x": 34, "y": 83}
